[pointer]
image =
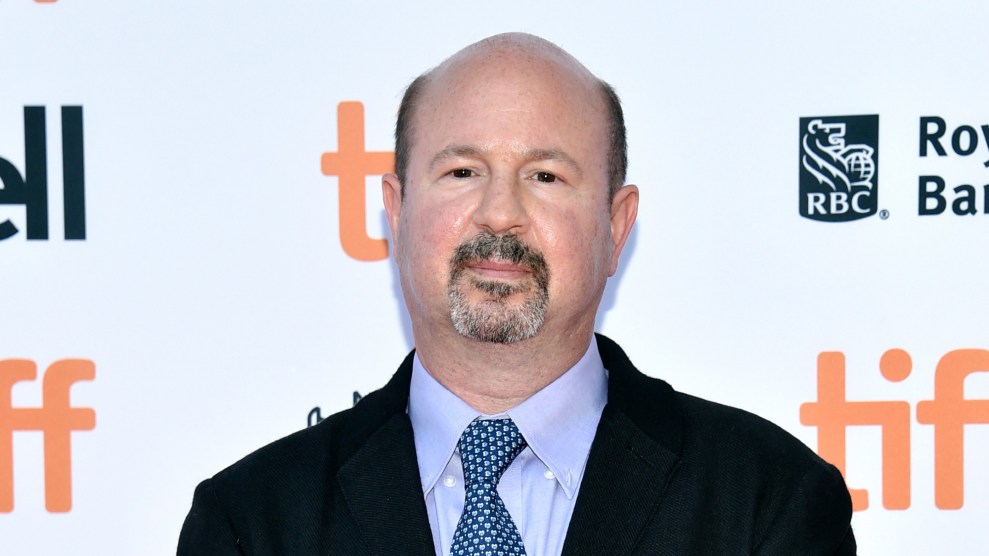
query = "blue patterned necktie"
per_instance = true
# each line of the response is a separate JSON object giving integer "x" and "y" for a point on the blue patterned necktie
{"x": 487, "y": 448}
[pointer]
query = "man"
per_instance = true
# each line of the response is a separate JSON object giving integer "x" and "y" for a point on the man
{"x": 512, "y": 429}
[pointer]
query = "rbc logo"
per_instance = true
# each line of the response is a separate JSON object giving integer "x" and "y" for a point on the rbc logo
{"x": 839, "y": 167}
{"x": 31, "y": 189}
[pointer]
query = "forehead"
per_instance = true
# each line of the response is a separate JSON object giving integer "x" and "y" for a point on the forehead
{"x": 531, "y": 100}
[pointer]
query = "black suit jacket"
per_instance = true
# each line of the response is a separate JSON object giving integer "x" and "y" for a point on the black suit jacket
{"x": 667, "y": 474}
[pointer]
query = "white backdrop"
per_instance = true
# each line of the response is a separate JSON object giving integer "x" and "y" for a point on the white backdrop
{"x": 214, "y": 298}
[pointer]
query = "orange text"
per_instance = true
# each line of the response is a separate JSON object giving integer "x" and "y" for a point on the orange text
{"x": 55, "y": 418}
{"x": 352, "y": 164}
{"x": 948, "y": 412}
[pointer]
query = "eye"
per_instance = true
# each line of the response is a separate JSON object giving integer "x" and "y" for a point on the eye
{"x": 462, "y": 173}
{"x": 545, "y": 177}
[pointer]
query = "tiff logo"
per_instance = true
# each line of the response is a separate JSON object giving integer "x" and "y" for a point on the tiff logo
{"x": 352, "y": 164}
{"x": 949, "y": 411}
{"x": 56, "y": 419}
{"x": 31, "y": 189}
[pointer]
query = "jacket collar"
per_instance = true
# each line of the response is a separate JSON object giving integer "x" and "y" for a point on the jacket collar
{"x": 379, "y": 475}
{"x": 635, "y": 453}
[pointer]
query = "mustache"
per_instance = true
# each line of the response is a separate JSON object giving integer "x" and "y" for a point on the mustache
{"x": 508, "y": 248}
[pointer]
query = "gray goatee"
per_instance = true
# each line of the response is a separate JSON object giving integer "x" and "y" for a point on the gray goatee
{"x": 496, "y": 319}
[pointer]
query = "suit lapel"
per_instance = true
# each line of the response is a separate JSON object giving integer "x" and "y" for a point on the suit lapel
{"x": 634, "y": 455}
{"x": 380, "y": 480}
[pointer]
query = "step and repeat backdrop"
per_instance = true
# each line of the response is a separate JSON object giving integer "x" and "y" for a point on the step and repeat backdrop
{"x": 194, "y": 259}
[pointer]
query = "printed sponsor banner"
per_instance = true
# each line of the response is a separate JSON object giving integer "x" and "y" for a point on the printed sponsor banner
{"x": 194, "y": 208}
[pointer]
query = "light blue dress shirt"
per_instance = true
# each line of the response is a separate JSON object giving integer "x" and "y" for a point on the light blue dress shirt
{"x": 540, "y": 487}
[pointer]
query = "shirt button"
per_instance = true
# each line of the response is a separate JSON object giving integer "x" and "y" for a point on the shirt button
{"x": 549, "y": 474}
{"x": 449, "y": 480}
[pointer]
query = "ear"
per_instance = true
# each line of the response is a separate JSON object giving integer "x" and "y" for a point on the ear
{"x": 391, "y": 196}
{"x": 624, "y": 208}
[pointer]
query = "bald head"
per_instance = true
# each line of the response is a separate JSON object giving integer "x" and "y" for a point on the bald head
{"x": 518, "y": 54}
{"x": 515, "y": 51}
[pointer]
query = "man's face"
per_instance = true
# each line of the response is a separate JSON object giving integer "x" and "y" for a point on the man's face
{"x": 505, "y": 230}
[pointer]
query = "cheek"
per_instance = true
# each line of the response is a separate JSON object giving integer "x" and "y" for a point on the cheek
{"x": 429, "y": 236}
{"x": 579, "y": 243}
{"x": 579, "y": 260}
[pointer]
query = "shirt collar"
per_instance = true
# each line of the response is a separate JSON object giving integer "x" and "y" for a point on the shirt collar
{"x": 558, "y": 422}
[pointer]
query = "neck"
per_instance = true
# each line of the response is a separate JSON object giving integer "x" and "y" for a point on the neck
{"x": 493, "y": 378}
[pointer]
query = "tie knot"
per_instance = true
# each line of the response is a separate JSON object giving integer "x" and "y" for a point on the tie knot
{"x": 487, "y": 448}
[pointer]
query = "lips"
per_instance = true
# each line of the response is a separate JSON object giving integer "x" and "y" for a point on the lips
{"x": 498, "y": 259}
{"x": 494, "y": 269}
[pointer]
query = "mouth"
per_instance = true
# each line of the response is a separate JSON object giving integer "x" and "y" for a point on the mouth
{"x": 499, "y": 270}
{"x": 499, "y": 264}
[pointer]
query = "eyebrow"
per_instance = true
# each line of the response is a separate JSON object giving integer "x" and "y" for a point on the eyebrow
{"x": 471, "y": 151}
{"x": 454, "y": 151}
{"x": 554, "y": 155}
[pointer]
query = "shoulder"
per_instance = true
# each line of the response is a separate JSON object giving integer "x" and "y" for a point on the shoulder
{"x": 288, "y": 493}
{"x": 328, "y": 445}
{"x": 276, "y": 490}
{"x": 320, "y": 447}
{"x": 309, "y": 460}
{"x": 317, "y": 452}
{"x": 738, "y": 477}
{"x": 691, "y": 427}
{"x": 739, "y": 435}
{"x": 799, "y": 502}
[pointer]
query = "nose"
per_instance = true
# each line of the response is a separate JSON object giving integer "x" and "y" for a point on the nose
{"x": 502, "y": 208}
